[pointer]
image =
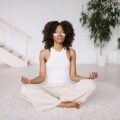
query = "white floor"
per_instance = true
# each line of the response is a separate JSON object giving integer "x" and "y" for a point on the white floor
{"x": 103, "y": 105}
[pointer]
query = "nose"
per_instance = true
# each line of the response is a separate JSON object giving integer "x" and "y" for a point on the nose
{"x": 60, "y": 34}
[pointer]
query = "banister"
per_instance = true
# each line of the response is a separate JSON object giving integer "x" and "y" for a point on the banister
{"x": 15, "y": 28}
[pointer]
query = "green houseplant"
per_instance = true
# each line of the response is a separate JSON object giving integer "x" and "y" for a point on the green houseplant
{"x": 118, "y": 43}
{"x": 99, "y": 17}
{"x": 118, "y": 52}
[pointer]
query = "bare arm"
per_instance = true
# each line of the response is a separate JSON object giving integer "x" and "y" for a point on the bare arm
{"x": 41, "y": 77}
{"x": 73, "y": 73}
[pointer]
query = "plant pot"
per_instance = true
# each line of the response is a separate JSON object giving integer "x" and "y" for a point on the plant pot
{"x": 101, "y": 60}
{"x": 118, "y": 56}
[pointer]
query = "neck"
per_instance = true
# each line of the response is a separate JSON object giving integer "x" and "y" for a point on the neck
{"x": 58, "y": 46}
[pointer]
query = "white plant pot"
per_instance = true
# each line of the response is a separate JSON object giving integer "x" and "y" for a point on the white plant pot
{"x": 101, "y": 60}
{"x": 118, "y": 56}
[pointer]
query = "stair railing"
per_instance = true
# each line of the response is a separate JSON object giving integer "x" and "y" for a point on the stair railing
{"x": 16, "y": 39}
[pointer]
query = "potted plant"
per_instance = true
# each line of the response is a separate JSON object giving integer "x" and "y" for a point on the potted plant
{"x": 118, "y": 43}
{"x": 99, "y": 17}
{"x": 118, "y": 52}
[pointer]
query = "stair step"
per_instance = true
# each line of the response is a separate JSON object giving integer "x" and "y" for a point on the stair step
{"x": 12, "y": 51}
{"x": 11, "y": 59}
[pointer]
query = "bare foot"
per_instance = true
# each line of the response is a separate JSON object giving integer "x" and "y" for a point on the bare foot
{"x": 69, "y": 104}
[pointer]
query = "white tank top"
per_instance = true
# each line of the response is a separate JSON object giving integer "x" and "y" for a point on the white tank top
{"x": 57, "y": 67}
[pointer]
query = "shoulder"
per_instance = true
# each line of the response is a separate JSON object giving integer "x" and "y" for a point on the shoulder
{"x": 72, "y": 52}
{"x": 44, "y": 52}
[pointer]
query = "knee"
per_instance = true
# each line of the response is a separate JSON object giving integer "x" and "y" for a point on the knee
{"x": 29, "y": 87}
{"x": 92, "y": 85}
{"x": 26, "y": 87}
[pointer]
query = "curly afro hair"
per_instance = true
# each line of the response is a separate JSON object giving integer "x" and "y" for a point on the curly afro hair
{"x": 50, "y": 28}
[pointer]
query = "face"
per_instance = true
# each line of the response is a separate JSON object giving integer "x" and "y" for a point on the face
{"x": 59, "y": 35}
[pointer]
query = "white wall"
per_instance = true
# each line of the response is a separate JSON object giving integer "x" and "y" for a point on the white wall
{"x": 32, "y": 15}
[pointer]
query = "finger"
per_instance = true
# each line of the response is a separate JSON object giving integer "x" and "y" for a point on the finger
{"x": 24, "y": 81}
{"x": 95, "y": 74}
{"x": 22, "y": 78}
{"x": 91, "y": 75}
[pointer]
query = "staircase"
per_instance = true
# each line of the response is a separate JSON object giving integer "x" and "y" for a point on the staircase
{"x": 14, "y": 45}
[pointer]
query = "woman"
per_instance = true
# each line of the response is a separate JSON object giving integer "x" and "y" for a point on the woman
{"x": 58, "y": 84}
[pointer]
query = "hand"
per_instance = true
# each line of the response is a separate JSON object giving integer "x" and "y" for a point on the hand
{"x": 25, "y": 80}
{"x": 93, "y": 75}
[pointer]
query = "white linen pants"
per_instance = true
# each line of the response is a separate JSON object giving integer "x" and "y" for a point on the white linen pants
{"x": 47, "y": 96}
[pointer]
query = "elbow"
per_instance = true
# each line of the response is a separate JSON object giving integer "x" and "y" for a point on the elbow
{"x": 41, "y": 79}
{"x": 72, "y": 77}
